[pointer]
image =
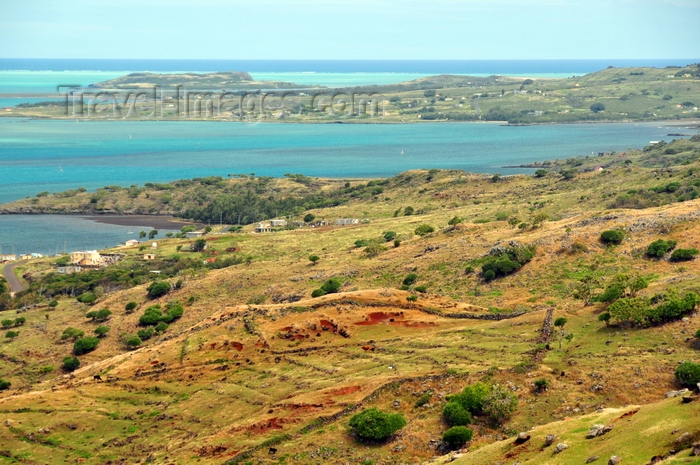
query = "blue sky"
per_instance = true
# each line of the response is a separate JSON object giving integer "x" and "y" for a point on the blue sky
{"x": 350, "y": 29}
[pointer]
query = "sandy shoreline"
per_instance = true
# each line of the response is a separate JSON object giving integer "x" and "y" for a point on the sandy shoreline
{"x": 151, "y": 221}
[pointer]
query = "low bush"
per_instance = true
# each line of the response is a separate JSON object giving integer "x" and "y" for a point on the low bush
{"x": 457, "y": 436}
{"x": 681, "y": 255}
{"x": 424, "y": 229}
{"x": 612, "y": 236}
{"x": 688, "y": 374}
{"x": 659, "y": 248}
{"x": 85, "y": 345}
{"x": 375, "y": 425}
{"x": 455, "y": 414}
{"x": 70, "y": 363}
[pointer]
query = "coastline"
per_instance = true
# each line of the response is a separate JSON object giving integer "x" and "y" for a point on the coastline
{"x": 153, "y": 221}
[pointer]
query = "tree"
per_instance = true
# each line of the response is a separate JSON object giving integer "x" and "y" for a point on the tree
{"x": 389, "y": 236}
{"x": 146, "y": 333}
{"x": 612, "y": 236}
{"x": 688, "y": 374}
{"x": 375, "y": 425}
{"x": 560, "y": 322}
{"x": 207, "y": 229}
{"x": 569, "y": 174}
{"x": 199, "y": 245}
{"x": 133, "y": 342}
{"x": 158, "y": 289}
{"x": 19, "y": 321}
{"x": 473, "y": 397}
{"x": 659, "y": 248}
{"x": 597, "y": 107}
{"x": 85, "y": 345}
{"x": 151, "y": 316}
{"x": 455, "y": 221}
{"x": 103, "y": 314}
{"x": 4, "y": 385}
{"x": 456, "y": 415}
{"x": 309, "y": 217}
{"x": 605, "y": 317}
{"x": 429, "y": 93}
{"x": 162, "y": 327}
{"x": 314, "y": 259}
{"x": 681, "y": 255}
{"x": 70, "y": 363}
{"x": 101, "y": 331}
{"x": 53, "y": 304}
{"x": 457, "y": 436}
{"x": 373, "y": 249}
{"x": 410, "y": 279}
{"x": 142, "y": 234}
{"x": 540, "y": 173}
{"x": 424, "y": 229}
{"x": 130, "y": 307}
{"x": 408, "y": 211}
{"x": 11, "y": 335}
{"x": 153, "y": 233}
{"x": 87, "y": 298}
{"x": 72, "y": 333}
{"x": 500, "y": 404}
{"x": 541, "y": 385}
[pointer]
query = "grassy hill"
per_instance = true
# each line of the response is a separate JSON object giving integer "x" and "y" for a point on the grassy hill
{"x": 255, "y": 363}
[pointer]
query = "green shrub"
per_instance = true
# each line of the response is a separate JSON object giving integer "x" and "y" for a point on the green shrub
{"x": 318, "y": 293}
{"x": 425, "y": 398}
{"x": 455, "y": 220}
{"x": 173, "y": 311}
{"x": 375, "y": 425}
{"x": 506, "y": 262}
{"x": 680, "y": 255}
{"x": 421, "y": 289}
{"x": 424, "y": 229}
{"x": 612, "y": 236}
{"x": 455, "y": 414}
{"x": 331, "y": 286}
{"x": 133, "y": 342}
{"x": 541, "y": 384}
{"x": 145, "y": 334}
{"x": 158, "y": 289}
{"x": 70, "y": 363}
{"x": 6, "y": 323}
{"x": 4, "y": 385}
{"x": 101, "y": 330}
{"x": 540, "y": 173}
{"x": 361, "y": 243}
{"x": 660, "y": 247}
{"x": 87, "y": 298}
{"x": 53, "y": 304}
{"x": 162, "y": 327}
{"x": 72, "y": 333}
{"x": 457, "y": 436}
{"x": 410, "y": 279}
{"x": 389, "y": 236}
{"x": 151, "y": 316}
{"x": 611, "y": 293}
{"x": 688, "y": 374}
{"x": 11, "y": 335}
{"x": 130, "y": 307}
{"x": 472, "y": 397}
{"x": 85, "y": 345}
{"x": 500, "y": 404}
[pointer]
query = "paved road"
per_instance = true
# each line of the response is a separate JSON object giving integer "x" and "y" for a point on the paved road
{"x": 15, "y": 284}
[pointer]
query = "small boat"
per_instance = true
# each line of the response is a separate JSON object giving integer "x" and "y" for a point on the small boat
{"x": 402, "y": 152}
{"x": 60, "y": 168}
{"x": 130, "y": 232}
{"x": 129, "y": 136}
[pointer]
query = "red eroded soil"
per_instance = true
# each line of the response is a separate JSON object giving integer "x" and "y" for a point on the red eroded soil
{"x": 327, "y": 324}
{"x": 237, "y": 345}
{"x": 344, "y": 391}
{"x": 378, "y": 317}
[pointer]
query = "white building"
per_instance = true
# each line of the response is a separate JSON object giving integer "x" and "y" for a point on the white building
{"x": 346, "y": 221}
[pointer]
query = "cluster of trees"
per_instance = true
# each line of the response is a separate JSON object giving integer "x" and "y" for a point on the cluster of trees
{"x": 155, "y": 314}
{"x": 507, "y": 261}
{"x": 494, "y": 402}
{"x": 626, "y": 307}
{"x": 660, "y": 248}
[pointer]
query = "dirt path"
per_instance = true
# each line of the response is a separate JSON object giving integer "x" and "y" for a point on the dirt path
{"x": 15, "y": 284}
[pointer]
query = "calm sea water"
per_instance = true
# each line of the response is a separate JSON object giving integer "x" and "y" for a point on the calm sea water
{"x": 44, "y": 155}
{"x": 52, "y": 234}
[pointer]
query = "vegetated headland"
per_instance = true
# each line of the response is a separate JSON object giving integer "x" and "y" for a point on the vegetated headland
{"x": 613, "y": 94}
{"x": 544, "y": 318}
